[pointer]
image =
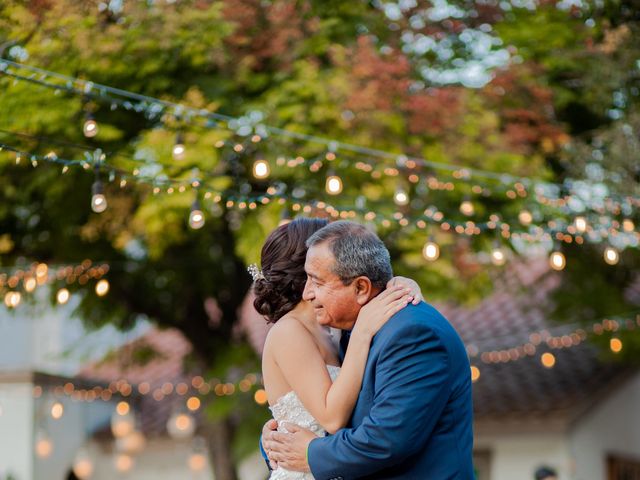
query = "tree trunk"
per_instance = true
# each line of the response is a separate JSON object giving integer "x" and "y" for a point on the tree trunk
{"x": 219, "y": 436}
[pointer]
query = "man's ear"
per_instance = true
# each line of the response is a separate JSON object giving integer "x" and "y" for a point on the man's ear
{"x": 364, "y": 290}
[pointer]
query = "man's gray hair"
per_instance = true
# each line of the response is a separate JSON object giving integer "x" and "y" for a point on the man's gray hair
{"x": 357, "y": 250}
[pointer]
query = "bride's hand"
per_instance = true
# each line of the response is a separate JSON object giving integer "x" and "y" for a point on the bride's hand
{"x": 381, "y": 308}
{"x": 416, "y": 293}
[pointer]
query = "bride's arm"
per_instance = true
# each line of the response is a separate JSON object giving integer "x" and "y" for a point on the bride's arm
{"x": 303, "y": 367}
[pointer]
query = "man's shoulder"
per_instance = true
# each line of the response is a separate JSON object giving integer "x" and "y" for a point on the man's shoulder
{"x": 418, "y": 320}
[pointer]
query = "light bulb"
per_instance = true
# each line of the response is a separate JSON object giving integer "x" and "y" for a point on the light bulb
{"x": 123, "y": 408}
{"x": 83, "y": 466}
{"x": 57, "y": 410}
{"x": 628, "y": 225}
{"x": 12, "y": 299}
{"x": 557, "y": 261}
{"x": 193, "y": 403}
{"x": 616, "y": 345}
{"x": 123, "y": 462}
{"x": 102, "y": 288}
{"x": 431, "y": 251}
{"x": 181, "y": 426}
{"x": 197, "y": 462}
{"x": 401, "y": 197}
{"x": 131, "y": 443}
{"x": 581, "y": 224}
{"x": 98, "y": 200}
{"x": 260, "y": 397}
{"x": 44, "y": 445}
{"x": 30, "y": 284}
{"x": 334, "y": 185}
{"x": 261, "y": 169}
{"x": 62, "y": 296}
{"x": 611, "y": 255}
{"x": 548, "y": 360}
{"x": 178, "y": 149}
{"x": 196, "y": 217}
{"x": 525, "y": 217}
{"x": 90, "y": 127}
{"x": 466, "y": 207}
{"x": 498, "y": 257}
{"x": 122, "y": 425}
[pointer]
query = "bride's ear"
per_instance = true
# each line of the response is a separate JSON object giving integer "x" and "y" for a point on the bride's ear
{"x": 364, "y": 290}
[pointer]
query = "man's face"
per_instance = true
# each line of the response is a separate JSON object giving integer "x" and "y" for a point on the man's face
{"x": 334, "y": 303}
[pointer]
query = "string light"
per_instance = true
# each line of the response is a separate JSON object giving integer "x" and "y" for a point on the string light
{"x": 260, "y": 397}
{"x": 63, "y": 296}
{"x": 122, "y": 408}
{"x": 467, "y": 208}
{"x": 196, "y": 217}
{"x": 580, "y": 224}
{"x": 197, "y": 462}
{"x": 30, "y": 284}
{"x": 12, "y": 299}
{"x": 102, "y": 287}
{"x": 181, "y": 426}
{"x": 122, "y": 424}
{"x": 123, "y": 462}
{"x": 401, "y": 197}
{"x": 475, "y": 373}
{"x": 193, "y": 403}
{"x": 90, "y": 127}
{"x": 261, "y": 169}
{"x": 615, "y": 344}
{"x": 44, "y": 445}
{"x": 628, "y": 225}
{"x": 557, "y": 260}
{"x": 498, "y": 256}
{"x": 333, "y": 185}
{"x": 98, "y": 200}
{"x": 611, "y": 255}
{"x": 548, "y": 360}
{"x": 525, "y": 217}
{"x": 431, "y": 250}
{"x": 57, "y": 410}
{"x": 178, "y": 151}
{"x": 83, "y": 465}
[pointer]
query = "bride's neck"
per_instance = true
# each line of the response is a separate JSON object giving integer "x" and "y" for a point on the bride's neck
{"x": 305, "y": 314}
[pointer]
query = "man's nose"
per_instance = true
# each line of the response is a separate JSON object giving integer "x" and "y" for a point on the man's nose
{"x": 307, "y": 293}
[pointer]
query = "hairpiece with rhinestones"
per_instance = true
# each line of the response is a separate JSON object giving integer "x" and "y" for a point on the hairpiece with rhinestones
{"x": 255, "y": 272}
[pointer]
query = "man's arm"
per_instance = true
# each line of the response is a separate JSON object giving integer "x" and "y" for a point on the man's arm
{"x": 413, "y": 374}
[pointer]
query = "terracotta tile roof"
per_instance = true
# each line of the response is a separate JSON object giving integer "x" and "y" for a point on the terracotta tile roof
{"x": 518, "y": 307}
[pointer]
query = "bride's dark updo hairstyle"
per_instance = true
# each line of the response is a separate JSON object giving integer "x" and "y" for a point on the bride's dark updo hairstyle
{"x": 282, "y": 261}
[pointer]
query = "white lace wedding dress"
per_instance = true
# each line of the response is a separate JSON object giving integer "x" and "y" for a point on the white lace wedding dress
{"x": 289, "y": 409}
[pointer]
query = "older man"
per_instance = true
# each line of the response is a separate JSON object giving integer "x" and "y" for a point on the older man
{"x": 413, "y": 418}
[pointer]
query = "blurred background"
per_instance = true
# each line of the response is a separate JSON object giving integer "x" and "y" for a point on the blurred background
{"x": 148, "y": 147}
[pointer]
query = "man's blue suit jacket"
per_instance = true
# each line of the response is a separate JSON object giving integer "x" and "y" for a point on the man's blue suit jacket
{"x": 414, "y": 415}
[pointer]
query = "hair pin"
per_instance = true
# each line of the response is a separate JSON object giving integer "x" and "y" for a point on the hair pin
{"x": 255, "y": 272}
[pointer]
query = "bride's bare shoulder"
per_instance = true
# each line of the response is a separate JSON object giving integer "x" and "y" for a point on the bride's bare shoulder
{"x": 286, "y": 330}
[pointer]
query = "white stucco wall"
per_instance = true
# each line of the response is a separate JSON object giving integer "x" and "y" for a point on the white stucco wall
{"x": 612, "y": 427}
{"x": 68, "y": 434}
{"x": 16, "y": 427}
{"x": 516, "y": 456}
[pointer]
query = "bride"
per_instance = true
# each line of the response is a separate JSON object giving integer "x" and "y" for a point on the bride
{"x": 301, "y": 370}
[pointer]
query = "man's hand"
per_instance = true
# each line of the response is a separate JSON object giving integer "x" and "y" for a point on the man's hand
{"x": 289, "y": 450}
{"x": 267, "y": 445}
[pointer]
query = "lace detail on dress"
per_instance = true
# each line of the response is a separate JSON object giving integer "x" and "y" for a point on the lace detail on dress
{"x": 289, "y": 409}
